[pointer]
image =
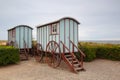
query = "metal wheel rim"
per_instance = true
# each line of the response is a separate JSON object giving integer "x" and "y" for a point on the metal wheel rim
{"x": 38, "y": 54}
{"x": 53, "y": 58}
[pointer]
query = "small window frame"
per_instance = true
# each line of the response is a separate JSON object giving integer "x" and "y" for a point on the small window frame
{"x": 54, "y": 29}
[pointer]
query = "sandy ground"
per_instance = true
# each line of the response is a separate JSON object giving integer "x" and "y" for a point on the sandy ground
{"x": 31, "y": 70}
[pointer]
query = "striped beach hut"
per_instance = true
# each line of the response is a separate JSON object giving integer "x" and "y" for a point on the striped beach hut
{"x": 64, "y": 29}
{"x": 20, "y": 35}
{"x": 59, "y": 39}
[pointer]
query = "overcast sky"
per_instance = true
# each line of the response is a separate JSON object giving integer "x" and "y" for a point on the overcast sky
{"x": 100, "y": 19}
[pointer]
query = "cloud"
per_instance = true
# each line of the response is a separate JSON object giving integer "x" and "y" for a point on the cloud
{"x": 99, "y": 18}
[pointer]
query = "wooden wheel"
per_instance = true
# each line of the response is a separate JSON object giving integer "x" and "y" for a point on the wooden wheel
{"x": 38, "y": 52}
{"x": 53, "y": 53}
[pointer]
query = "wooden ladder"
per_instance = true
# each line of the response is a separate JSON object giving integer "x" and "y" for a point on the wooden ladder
{"x": 23, "y": 54}
{"x": 71, "y": 60}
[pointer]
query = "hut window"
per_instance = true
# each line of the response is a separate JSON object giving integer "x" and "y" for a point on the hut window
{"x": 54, "y": 29}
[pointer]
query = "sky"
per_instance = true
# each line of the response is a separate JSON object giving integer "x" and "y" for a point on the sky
{"x": 100, "y": 19}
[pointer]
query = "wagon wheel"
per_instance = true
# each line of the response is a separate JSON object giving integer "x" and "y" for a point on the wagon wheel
{"x": 38, "y": 52}
{"x": 53, "y": 53}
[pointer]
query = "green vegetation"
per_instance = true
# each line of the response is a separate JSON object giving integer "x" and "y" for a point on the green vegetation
{"x": 97, "y": 50}
{"x": 8, "y": 55}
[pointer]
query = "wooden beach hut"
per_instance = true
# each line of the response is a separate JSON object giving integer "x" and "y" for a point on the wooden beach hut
{"x": 20, "y": 37}
{"x": 60, "y": 37}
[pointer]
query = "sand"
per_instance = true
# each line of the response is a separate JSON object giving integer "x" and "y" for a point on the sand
{"x": 98, "y": 69}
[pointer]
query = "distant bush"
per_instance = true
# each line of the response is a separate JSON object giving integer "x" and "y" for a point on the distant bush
{"x": 89, "y": 51}
{"x": 111, "y": 52}
{"x": 97, "y": 50}
{"x": 114, "y": 53}
{"x": 102, "y": 52}
{"x": 8, "y": 55}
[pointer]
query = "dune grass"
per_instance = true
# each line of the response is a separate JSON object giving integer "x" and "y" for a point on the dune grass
{"x": 98, "y": 50}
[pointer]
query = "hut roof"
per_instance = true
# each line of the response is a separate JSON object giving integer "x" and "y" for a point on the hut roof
{"x": 57, "y": 21}
{"x": 20, "y": 26}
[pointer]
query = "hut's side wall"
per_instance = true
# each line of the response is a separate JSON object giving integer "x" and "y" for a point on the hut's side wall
{"x": 18, "y": 37}
{"x": 44, "y": 38}
{"x": 22, "y": 37}
{"x": 67, "y": 33}
{"x": 44, "y": 35}
{"x": 71, "y": 33}
{"x": 68, "y": 30}
{"x": 24, "y": 34}
{"x": 75, "y": 35}
{"x": 62, "y": 22}
{"x": 11, "y": 35}
{"x": 30, "y": 38}
{"x": 38, "y": 36}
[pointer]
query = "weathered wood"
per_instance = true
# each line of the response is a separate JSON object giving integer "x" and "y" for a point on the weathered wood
{"x": 71, "y": 60}
{"x": 54, "y": 55}
{"x": 38, "y": 52}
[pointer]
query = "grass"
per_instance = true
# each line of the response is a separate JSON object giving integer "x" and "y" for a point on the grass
{"x": 98, "y": 50}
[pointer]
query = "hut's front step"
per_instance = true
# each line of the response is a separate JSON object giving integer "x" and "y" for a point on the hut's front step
{"x": 72, "y": 62}
{"x": 23, "y": 54}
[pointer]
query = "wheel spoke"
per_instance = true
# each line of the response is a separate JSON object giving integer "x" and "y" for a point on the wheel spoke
{"x": 54, "y": 50}
{"x": 38, "y": 53}
{"x": 49, "y": 49}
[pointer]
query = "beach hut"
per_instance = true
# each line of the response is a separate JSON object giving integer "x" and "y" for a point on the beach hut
{"x": 20, "y": 37}
{"x": 60, "y": 38}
